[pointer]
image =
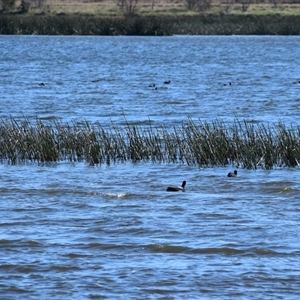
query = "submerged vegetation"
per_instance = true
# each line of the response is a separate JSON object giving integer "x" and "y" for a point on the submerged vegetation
{"x": 202, "y": 144}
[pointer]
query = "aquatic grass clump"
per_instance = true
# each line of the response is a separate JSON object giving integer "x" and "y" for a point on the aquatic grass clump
{"x": 203, "y": 144}
{"x": 22, "y": 142}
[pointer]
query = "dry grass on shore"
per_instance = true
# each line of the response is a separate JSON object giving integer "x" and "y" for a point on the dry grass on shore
{"x": 163, "y": 7}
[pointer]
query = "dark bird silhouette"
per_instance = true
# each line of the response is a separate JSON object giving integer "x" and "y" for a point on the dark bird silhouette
{"x": 167, "y": 82}
{"x": 42, "y": 84}
{"x": 176, "y": 188}
{"x": 232, "y": 174}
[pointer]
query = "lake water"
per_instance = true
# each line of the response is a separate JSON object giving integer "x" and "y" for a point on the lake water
{"x": 72, "y": 231}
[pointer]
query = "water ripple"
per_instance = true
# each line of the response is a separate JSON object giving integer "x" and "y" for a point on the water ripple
{"x": 69, "y": 230}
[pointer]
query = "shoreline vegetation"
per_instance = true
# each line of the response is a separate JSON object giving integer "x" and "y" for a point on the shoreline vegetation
{"x": 203, "y": 144}
{"x": 149, "y": 17}
{"x": 150, "y": 25}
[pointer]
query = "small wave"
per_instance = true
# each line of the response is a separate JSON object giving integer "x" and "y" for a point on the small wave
{"x": 117, "y": 195}
{"x": 64, "y": 268}
{"x": 106, "y": 247}
{"x": 180, "y": 249}
{"x": 167, "y": 248}
{"x": 49, "y": 118}
{"x": 76, "y": 255}
{"x": 31, "y": 268}
{"x": 14, "y": 289}
{"x": 20, "y": 243}
{"x": 222, "y": 250}
{"x": 282, "y": 190}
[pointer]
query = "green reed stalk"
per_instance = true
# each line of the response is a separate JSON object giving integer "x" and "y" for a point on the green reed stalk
{"x": 201, "y": 144}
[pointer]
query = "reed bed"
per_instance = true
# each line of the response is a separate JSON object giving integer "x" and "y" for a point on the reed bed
{"x": 202, "y": 24}
{"x": 224, "y": 24}
{"x": 82, "y": 25}
{"x": 202, "y": 144}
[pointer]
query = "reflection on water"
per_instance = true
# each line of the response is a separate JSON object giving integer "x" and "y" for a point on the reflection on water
{"x": 71, "y": 230}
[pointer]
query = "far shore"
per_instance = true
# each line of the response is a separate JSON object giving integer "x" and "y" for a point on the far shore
{"x": 151, "y": 17}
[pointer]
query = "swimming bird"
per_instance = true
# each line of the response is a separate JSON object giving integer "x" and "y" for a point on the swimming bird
{"x": 167, "y": 82}
{"x": 232, "y": 174}
{"x": 176, "y": 188}
{"x": 42, "y": 84}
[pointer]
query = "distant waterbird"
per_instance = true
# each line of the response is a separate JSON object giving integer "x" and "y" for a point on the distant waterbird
{"x": 232, "y": 174}
{"x": 176, "y": 188}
